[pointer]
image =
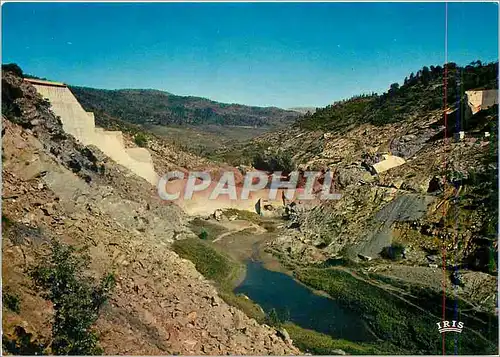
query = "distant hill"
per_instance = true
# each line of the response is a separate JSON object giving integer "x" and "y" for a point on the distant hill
{"x": 420, "y": 93}
{"x": 418, "y": 98}
{"x": 304, "y": 110}
{"x": 148, "y": 106}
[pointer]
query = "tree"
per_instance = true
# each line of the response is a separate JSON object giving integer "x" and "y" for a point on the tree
{"x": 451, "y": 65}
{"x": 12, "y": 67}
{"x": 477, "y": 63}
{"x": 393, "y": 88}
{"x": 273, "y": 319}
{"x": 426, "y": 75}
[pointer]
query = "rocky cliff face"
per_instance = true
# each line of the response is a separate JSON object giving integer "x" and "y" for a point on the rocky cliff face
{"x": 55, "y": 188}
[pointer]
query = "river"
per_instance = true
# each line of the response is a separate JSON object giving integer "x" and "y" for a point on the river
{"x": 268, "y": 284}
{"x": 299, "y": 304}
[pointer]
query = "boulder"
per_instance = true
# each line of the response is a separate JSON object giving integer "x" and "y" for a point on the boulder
{"x": 432, "y": 258}
{"x": 218, "y": 214}
{"x": 364, "y": 257}
{"x": 281, "y": 332}
{"x": 338, "y": 352}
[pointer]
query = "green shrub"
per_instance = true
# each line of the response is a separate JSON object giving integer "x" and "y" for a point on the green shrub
{"x": 11, "y": 302}
{"x": 22, "y": 343}
{"x": 273, "y": 318}
{"x": 76, "y": 297}
{"x": 394, "y": 252}
{"x": 141, "y": 140}
{"x": 320, "y": 344}
{"x": 203, "y": 234}
{"x": 213, "y": 230}
{"x": 211, "y": 263}
{"x": 278, "y": 161}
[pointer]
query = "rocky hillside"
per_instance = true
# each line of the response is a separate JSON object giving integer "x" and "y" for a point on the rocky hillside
{"x": 144, "y": 106}
{"x": 304, "y": 110}
{"x": 398, "y": 237}
{"x": 444, "y": 196}
{"x": 87, "y": 263}
{"x": 414, "y": 131}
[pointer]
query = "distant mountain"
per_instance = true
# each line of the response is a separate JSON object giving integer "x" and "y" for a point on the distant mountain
{"x": 148, "y": 106}
{"x": 303, "y": 110}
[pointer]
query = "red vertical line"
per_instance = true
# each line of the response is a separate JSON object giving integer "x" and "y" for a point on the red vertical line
{"x": 459, "y": 126}
{"x": 493, "y": 138}
{"x": 445, "y": 100}
{"x": 493, "y": 143}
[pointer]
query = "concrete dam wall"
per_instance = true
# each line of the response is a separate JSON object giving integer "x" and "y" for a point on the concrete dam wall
{"x": 481, "y": 99}
{"x": 81, "y": 124}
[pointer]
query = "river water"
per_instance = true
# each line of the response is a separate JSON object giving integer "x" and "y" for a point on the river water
{"x": 300, "y": 305}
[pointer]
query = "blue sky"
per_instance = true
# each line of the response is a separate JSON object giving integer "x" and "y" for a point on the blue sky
{"x": 279, "y": 54}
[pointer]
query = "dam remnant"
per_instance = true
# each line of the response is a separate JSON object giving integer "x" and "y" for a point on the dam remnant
{"x": 481, "y": 99}
{"x": 81, "y": 124}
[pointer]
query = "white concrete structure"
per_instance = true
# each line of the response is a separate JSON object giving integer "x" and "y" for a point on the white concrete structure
{"x": 481, "y": 99}
{"x": 81, "y": 124}
{"x": 459, "y": 136}
{"x": 389, "y": 162}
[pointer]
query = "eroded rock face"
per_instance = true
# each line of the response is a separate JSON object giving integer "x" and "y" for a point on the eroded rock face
{"x": 55, "y": 188}
{"x": 30, "y": 111}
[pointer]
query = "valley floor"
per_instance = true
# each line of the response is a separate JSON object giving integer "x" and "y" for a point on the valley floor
{"x": 382, "y": 295}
